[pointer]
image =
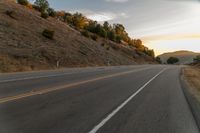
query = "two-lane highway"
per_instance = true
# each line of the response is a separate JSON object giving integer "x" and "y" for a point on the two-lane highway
{"x": 127, "y": 99}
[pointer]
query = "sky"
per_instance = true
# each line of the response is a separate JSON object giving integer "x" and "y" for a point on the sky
{"x": 163, "y": 25}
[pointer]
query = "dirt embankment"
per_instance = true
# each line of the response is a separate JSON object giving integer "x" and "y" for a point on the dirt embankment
{"x": 191, "y": 85}
{"x": 23, "y": 48}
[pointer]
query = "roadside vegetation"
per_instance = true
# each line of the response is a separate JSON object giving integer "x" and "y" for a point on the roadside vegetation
{"x": 89, "y": 28}
{"x": 197, "y": 59}
{"x": 172, "y": 60}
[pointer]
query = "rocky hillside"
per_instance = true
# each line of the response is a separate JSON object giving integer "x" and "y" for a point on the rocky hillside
{"x": 24, "y": 48}
{"x": 185, "y": 57}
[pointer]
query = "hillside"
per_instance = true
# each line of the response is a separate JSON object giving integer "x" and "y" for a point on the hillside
{"x": 185, "y": 57}
{"x": 23, "y": 48}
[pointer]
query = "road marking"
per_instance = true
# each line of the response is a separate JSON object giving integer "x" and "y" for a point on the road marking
{"x": 34, "y": 77}
{"x": 37, "y": 77}
{"x": 44, "y": 91}
{"x": 108, "y": 117}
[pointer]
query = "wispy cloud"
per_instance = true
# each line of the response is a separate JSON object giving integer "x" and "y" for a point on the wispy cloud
{"x": 101, "y": 16}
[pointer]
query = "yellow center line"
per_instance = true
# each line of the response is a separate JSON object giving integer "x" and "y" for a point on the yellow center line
{"x": 44, "y": 91}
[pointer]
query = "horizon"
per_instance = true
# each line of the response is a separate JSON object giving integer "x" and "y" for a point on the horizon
{"x": 171, "y": 27}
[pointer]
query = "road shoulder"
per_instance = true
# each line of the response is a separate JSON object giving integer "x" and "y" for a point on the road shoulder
{"x": 190, "y": 81}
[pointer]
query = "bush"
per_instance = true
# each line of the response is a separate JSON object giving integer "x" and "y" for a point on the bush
{"x": 103, "y": 44}
{"x": 197, "y": 58}
{"x": 51, "y": 12}
{"x": 159, "y": 60}
{"x": 85, "y": 33}
{"x": 48, "y": 33}
{"x": 172, "y": 60}
{"x": 23, "y": 2}
{"x": 44, "y": 15}
{"x": 29, "y": 6}
{"x": 37, "y": 8}
{"x": 94, "y": 37}
{"x": 108, "y": 48}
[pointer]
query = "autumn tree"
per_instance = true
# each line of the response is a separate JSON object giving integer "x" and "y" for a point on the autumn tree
{"x": 79, "y": 21}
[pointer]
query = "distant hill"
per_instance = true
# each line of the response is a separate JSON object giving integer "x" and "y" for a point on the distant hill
{"x": 24, "y": 48}
{"x": 185, "y": 57}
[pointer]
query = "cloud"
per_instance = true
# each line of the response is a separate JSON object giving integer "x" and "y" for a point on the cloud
{"x": 117, "y": 1}
{"x": 106, "y": 16}
{"x": 101, "y": 16}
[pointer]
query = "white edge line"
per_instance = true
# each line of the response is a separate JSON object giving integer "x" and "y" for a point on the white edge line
{"x": 103, "y": 122}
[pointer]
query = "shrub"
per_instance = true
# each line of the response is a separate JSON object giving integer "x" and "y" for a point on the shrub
{"x": 94, "y": 37}
{"x": 44, "y": 15}
{"x": 10, "y": 14}
{"x": 51, "y": 12}
{"x": 48, "y": 33}
{"x": 23, "y": 2}
{"x": 172, "y": 60}
{"x": 197, "y": 58}
{"x": 29, "y": 6}
{"x": 37, "y": 8}
{"x": 158, "y": 60}
{"x": 103, "y": 44}
{"x": 85, "y": 33}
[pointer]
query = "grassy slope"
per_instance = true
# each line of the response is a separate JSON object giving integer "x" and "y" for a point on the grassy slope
{"x": 185, "y": 57}
{"x": 22, "y": 46}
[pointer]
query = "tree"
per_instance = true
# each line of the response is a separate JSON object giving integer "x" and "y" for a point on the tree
{"x": 197, "y": 58}
{"x": 106, "y": 26}
{"x": 158, "y": 60}
{"x": 43, "y": 4}
{"x": 23, "y": 2}
{"x": 112, "y": 35}
{"x": 149, "y": 52}
{"x": 79, "y": 21}
{"x": 51, "y": 12}
{"x": 172, "y": 60}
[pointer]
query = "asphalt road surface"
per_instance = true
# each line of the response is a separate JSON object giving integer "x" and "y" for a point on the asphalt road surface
{"x": 126, "y": 99}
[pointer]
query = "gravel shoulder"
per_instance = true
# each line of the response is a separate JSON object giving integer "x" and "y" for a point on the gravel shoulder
{"x": 190, "y": 79}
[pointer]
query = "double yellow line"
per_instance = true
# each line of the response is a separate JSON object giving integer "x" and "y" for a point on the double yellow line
{"x": 44, "y": 91}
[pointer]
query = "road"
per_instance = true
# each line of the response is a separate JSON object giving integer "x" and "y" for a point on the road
{"x": 126, "y": 99}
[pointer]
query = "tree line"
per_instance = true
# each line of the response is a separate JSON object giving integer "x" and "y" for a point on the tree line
{"x": 115, "y": 32}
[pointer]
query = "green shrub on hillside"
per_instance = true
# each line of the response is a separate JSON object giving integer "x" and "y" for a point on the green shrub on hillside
{"x": 94, "y": 37}
{"x": 85, "y": 33}
{"x": 51, "y": 12}
{"x": 23, "y": 2}
{"x": 48, "y": 34}
{"x": 44, "y": 15}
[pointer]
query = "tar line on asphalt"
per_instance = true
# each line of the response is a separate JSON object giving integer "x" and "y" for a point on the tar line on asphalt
{"x": 109, "y": 116}
{"x": 44, "y": 91}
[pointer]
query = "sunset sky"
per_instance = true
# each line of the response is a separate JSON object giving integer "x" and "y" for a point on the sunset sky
{"x": 163, "y": 25}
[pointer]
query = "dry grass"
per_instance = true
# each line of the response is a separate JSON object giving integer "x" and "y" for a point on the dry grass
{"x": 192, "y": 76}
{"x": 23, "y": 47}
